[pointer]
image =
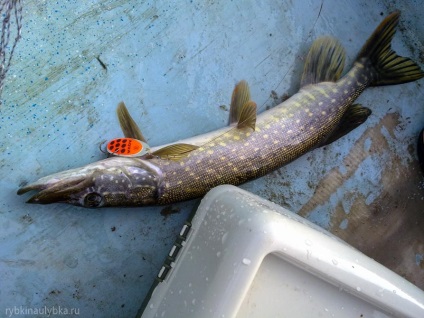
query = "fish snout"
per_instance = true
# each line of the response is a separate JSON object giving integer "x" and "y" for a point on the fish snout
{"x": 112, "y": 182}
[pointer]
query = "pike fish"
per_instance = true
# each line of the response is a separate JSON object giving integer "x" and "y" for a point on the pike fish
{"x": 321, "y": 112}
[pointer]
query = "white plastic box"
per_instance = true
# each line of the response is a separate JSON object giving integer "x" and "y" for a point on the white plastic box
{"x": 247, "y": 257}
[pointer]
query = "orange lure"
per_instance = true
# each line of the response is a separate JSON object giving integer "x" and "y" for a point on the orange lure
{"x": 127, "y": 147}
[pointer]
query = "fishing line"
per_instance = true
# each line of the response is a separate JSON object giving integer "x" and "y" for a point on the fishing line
{"x": 266, "y": 101}
{"x": 11, "y": 13}
{"x": 291, "y": 66}
{"x": 242, "y": 122}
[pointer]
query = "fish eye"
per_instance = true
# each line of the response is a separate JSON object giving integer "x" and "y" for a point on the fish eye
{"x": 93, "y": 200}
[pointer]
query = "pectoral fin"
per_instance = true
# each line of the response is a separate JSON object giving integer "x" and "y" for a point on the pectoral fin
{"x": 175, "y": 151}
{"x": 324, "y": 63}
{"x": 241, "y": 95}
{"x": 128, "y": 125}
{"x": 354, "y": 116}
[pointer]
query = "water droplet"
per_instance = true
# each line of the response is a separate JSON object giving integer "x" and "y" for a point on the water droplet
{"x": 335, "y": 262}
{"x": 246, "y": 261}
{"x": 358, "y": 289}
{"x": 308, "y": 242}
{"x": 218, "y": 254}
{"x": 308, "y": 254}
{"x": 224, "y": 238}
{"x": 151, "y": 306}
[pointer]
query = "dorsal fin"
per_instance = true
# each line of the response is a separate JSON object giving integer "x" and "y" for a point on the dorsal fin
{"x": 247, "y": 115}
{"x": 324, "y": 63}
{"x": 128, "y": 125}
{"x": 241, "y": 95}
{"x": 174, "y": 151}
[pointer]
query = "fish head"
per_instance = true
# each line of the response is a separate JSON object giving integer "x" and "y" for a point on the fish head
{"x": 116, "y": 181}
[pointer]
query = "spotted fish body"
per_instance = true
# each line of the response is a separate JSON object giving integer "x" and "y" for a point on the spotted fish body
{"x": 253, "y": 146}
{"x": 282, "y": 134}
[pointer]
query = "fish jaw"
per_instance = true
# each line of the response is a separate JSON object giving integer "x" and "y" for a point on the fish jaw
{"x": 115, "y": 181}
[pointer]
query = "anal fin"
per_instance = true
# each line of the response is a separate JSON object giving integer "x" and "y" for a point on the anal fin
{"x": 354, "y": 116}
{"x": 174, "y": 151}
{"x": 324, "y": 62}
{"x": 128, "y": 125}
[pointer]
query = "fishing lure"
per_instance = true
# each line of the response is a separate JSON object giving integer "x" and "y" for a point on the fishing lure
{"x": 127, "y": 147}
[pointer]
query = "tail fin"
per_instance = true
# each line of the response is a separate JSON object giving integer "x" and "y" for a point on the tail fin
{"x": 390, "y": 67}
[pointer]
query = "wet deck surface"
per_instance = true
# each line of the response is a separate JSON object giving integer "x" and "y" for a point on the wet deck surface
{"x": 175, "y": 67}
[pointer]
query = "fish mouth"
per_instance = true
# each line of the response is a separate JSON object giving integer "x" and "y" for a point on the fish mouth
{"x": 54, "y": 189}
